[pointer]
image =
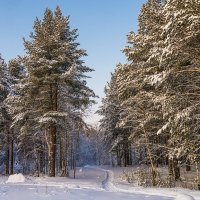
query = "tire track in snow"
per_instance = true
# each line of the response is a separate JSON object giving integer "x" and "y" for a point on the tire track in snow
{"x": 108, "y": 184}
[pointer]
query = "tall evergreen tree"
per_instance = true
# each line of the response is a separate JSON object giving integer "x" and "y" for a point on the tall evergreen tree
{"x": 142, "y": 108}
{"x": 4, "y": 115}
{"x": 55, "y": 86}
{"x": 180, "y": 60}
{"x": 159, "y": 87}
{"x": 110, "y": 111}
{"x": 116, "y": 137}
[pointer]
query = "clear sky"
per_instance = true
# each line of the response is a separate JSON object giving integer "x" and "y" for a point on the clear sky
{"x": 102, "y": 27}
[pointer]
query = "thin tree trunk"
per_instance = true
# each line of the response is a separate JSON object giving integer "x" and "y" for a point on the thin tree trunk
{"x": 126, "y": 153}
{"x": 38, "y": 164}
{"x": 74, "y": 161}
{"x": 60, "y": 155}
{"x": 188, "y": 167}
{"x": 41, "y": 162}
{"x": 153, "y": 168}
{"x": 72, "y": 158}
{"x": 46, "y": 161}
{"x": 118, "y": 156}
{"x": 74, "y": 165}
{"x": 130, "y": 162}
{"x": 170, "y": 167}
{"x": 197, "y": 176}
{"x": 7, "y": 154}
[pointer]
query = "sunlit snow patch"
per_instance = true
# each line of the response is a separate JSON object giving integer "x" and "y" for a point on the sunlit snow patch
{"x": 16, "y": 178}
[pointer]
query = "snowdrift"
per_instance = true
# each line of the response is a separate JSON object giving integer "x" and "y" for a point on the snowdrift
{"x": 16, "y": 178}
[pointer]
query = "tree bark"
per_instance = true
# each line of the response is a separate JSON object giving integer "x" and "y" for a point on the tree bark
{"x": 51, "y": 135}
{"x": 41, "y": 162}
{"x": 170, "y": 167}
{"x": 188, "y": 167}
{"x": 63, "y": 156}
{"x": 51, "y": 151}
{"x": 197, "y": 176}
{"x": 176, "y": 169}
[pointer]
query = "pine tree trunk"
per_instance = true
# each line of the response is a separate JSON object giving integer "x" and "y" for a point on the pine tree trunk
{"x": 63, "y": 156}
{"x": 52, "y": 151}
{"x": 60, "y": 155}
{"x": 123, "y": 156}
{"x": 171, "y": 173}
{"x": 12, "y": 157}
{"x": 126, "y": 153}
{"x": 130, "y": 162}
{"x": 176, "y": 169}
{"x": 7, "y": 154}
{"x": 41, "y": 162}
{"x": 188, "y": 167}
{"x": 197, "y": 176}
{"x": 134, "y": 157}
{"x": 166, "y": 161}
{"x": 153, "y": 169}
{"x": 71, "y": 156}
{"x": 52, "y": 134}
{"x": 74, "y": 163}
{"x": 170, "y": 167}
{"x": 38, "y": 165}
{"x": 119, "y": 155}
{"x": 46, "y": 162}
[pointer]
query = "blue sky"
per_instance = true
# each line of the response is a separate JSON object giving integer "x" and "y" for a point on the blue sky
{"x": 102, "y": 27}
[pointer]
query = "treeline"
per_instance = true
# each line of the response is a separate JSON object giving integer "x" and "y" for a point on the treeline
{"x": 43, "y": 98}
{"x": 151, "y": 109}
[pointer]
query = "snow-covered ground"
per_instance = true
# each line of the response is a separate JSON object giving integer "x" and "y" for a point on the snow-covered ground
{"x": 91, "y": 184}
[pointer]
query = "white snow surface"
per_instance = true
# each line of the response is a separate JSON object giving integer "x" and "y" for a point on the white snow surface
{"x": 91, "y": 183}
{"x": 16, "y": 178}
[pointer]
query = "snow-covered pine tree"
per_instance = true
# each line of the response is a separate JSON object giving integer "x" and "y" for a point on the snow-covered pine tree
{"x": 116, "y": 137}
{"x": 4, "y": 84}
{"x": 55, "y": 76}
{"x": 180, "y": 62}
{"x": 110, "y": 115}
{"x": 142, "y": 109}
{"x": 121, "y": 78}
{"x": 5, "y": 119}
{"x": 22, "y": 122}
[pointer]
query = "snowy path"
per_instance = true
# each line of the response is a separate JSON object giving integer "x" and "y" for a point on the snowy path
{"x": 108, "y": 184}
{"x": 91, "y": 184}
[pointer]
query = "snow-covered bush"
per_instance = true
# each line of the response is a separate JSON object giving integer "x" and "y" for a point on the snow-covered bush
{"x": 140, "y": 176}
{"x": 129, "y": 176}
